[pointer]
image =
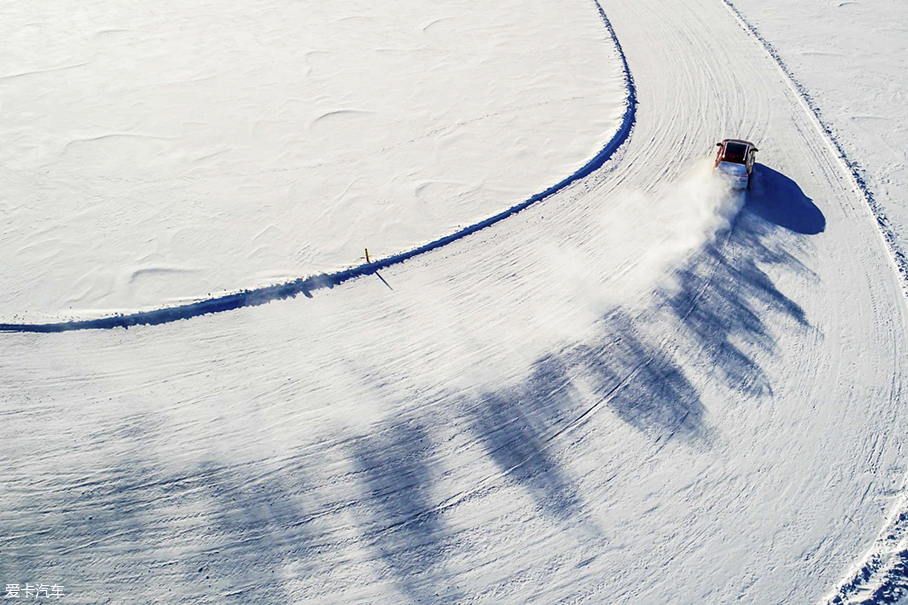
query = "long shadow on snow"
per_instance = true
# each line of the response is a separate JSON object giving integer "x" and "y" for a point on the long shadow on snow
{"x": 244, "y": 532}
{"x": 254, "y": 535}
{"x": 722, "y": 299}
{"x": 405, "y": 529}
{"x": 517, "y": 429}
{"x": 621, "y": 371}
{"x": 516, "y": 426}
{"x": 138, "y": 534}
{"x": 77, "y": 529}
{"x": 641, "y": 383}
{"x": 724, "y": 293}
{"x": 67, "y": 532}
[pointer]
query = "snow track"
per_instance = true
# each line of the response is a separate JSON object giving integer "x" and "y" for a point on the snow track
{"x": 882, "y": 575}
{"x": 899, "y": 259}
{"x": 643, "y": 390}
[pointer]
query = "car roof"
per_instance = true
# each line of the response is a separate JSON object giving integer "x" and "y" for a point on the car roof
{"x": 738, "y": 141}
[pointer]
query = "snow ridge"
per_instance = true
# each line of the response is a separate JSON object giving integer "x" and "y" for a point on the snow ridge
{"x": 305, "y": 286}
{"x": 882, "y": 576}
{"x": 899, "y": 257}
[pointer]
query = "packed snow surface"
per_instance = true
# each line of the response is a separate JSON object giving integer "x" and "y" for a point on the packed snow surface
{"x": 646, "y": 388}
{"x": 850, "y": 67}
{"x": 851, "y": 63}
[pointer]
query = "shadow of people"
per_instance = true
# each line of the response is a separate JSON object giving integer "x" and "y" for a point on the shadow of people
{"x": 779, "y": 200}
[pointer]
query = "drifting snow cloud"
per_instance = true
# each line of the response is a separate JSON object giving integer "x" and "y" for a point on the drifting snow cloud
{"x": 557, "y": 289}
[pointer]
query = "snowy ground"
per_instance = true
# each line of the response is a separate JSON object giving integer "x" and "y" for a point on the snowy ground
{"x": 157, "y": 154}
{"x": 643, "y": 389}
{"x": 852, "y": 61}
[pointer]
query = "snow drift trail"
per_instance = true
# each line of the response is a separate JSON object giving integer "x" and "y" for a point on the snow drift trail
{"x": 641, "y": 390}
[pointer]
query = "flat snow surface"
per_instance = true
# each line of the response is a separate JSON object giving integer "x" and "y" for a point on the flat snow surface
{"x": 643, "y": 389}
{"x": 158, "y": 153}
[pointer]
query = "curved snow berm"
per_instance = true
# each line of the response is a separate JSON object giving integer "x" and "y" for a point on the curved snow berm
{"x": 899, "y": 258}
{"x": 158, "y": 159}
{"x": 305, "y": 286}
{"x": 882, "y": 576}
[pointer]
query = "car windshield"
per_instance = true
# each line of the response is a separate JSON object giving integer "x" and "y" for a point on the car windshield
{"x": 735, "y": 152}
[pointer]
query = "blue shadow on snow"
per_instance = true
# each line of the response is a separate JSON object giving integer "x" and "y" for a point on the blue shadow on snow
{"x": 779, "y": 200}
{"x": 406, "y": 530}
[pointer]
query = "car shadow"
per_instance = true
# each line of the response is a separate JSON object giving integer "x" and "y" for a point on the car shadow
{"x": 779, "y": 200}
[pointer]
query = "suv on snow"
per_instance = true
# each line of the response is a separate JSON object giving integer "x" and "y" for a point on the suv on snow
{"x": 735, "y": 159}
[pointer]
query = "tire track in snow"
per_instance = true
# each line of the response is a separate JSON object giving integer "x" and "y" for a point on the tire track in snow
{"x": 306, "y": 285}
{"x": 853, "y": 168}
{"x": 881, "y": 577}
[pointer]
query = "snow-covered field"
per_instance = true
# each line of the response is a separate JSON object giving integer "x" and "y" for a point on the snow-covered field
{"x": 642, "y": 389}
{"x": 154, "y": 154}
